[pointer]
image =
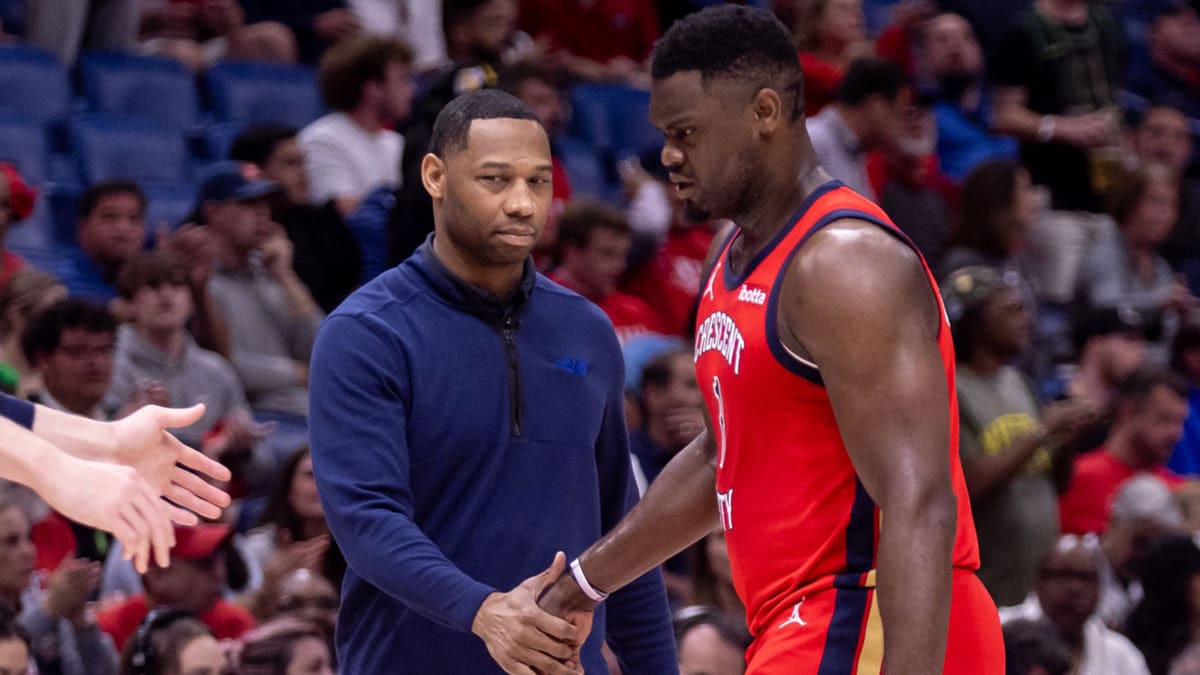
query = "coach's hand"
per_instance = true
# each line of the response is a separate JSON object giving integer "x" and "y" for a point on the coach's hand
{"x": 520, "y": 636}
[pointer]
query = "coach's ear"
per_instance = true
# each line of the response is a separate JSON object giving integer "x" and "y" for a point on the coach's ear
{"x": 433, "y": 175}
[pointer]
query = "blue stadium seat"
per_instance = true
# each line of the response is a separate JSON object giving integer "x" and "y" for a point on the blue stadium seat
{"x": 218, "y": 138}
{"x": 588, "y": 175}
{"x": 48, "y": 232}
{"x": 110, "y": 146}
{"x": 156, "y": 88}
{"x": 264, "y": 92}
{"x": 35, "y": 83}
{"x": 615, "y": 119}
{"x": 23, "y": 142}
{"x": 167, "y": 202}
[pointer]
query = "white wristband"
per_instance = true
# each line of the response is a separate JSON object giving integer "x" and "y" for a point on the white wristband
{"x": 577, "y": 574}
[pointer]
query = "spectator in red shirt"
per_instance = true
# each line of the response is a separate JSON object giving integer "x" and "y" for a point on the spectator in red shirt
{"x": 1150, "y": 411}
{"x": 192, "y": 582}
{"x": 593, "y": 245}
{"x": 831, "y": 33}
{"x": 596, "y": 40}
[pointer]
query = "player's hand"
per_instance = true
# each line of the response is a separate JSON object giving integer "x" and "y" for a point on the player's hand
{"x": 564, "y": 599}
{"x": 114, "y": 499}
{"x": 140, "y": 441}
{"x": 523, "y": 638}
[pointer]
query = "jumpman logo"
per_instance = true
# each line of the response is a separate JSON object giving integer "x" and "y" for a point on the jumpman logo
{"x": 711, "y": 278}
{"x": 795, "y": 617}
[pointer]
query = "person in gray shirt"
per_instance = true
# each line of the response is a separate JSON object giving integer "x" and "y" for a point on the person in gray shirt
{"x": 272, "y": 317}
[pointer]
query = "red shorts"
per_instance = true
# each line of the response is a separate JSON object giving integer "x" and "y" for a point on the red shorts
{"x": 839, "y": 632}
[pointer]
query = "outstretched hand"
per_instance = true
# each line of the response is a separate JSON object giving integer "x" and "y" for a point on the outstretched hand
{"x": 523, "y": 638}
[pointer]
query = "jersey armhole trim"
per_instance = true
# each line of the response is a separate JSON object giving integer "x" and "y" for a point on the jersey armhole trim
{"x": 785, "y": 356}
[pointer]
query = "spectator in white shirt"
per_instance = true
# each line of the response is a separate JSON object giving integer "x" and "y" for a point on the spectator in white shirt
{"x": 352, "y": 151}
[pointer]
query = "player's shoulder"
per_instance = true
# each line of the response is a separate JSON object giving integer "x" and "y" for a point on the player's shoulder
{"x": 853, "y": 251}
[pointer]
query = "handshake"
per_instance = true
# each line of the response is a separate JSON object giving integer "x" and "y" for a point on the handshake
{"x": 539, "y": 626}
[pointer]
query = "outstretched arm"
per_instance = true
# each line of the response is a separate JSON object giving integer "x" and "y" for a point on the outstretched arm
{"x": 92, "y": 483}
{"x": 678, "y": 510}
{"x": 874, "y": 336}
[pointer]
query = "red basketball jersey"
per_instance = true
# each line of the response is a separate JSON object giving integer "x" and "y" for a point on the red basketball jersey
{"x": 797, "y": 518}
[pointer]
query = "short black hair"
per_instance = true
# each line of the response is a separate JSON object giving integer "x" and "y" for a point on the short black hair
{"x": 45, "y": 330}
{"x": 734, "y": 42}
{"x": 1029, "y": 644}
{"x": 256, "y": 144}
{"x": 92, "y": 196}
{"x": 454, "y": 122}
{"x": 1142, "y": 382}
{"x": 867, "y": 77}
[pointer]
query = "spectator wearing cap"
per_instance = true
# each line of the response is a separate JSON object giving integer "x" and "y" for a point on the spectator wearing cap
{"x": 272, "y": 317}
{"x": 1124, "y": 268}
{"x": 1066, "y": 595}
{"x": 1012, "y": 448}
{"x": 16, "y": 203}
{"x": 111, "y": 231}
{"x": 154, "y": 348}
{"x": 1143, "y": 512}
{"x": 867, "y": 115}
{"x": 193, "y": 582}
{"x": 64, "y": 637}
{"x": 593, "y": 245}
{"x": 352, "y": 150}
{"x": 955, "y": 62}
{"x": 1151, "y": 406}
{"x": 1167, "y": 619}
{"x": 710, "y": 642}
{"x": 326, "y": 256}
{"x": 1173, "y": 69}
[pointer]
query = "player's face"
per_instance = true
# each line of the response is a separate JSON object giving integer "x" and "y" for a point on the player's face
{"x": 1068, "y": 589}
{"x": 710, "y": 147}
{"x": 495, "y": 193}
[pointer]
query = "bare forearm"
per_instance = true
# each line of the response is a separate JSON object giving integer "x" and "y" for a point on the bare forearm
{"x": 985, "y": 474}
{"x": 679, "y": 508}
{"x": 77, "y": 435}
{"x": 1016, "y": 120}
{"x": 915, "y": 553}
{"x": 26, "y": 456}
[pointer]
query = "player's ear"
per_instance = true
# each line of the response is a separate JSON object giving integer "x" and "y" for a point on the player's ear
{"x": 768, "y": 109}
{"x": 433, "y": 175}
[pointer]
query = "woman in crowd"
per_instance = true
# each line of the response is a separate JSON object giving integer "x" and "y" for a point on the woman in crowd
{"x": 292, "y": 533}
{"x": 996, "y": 206}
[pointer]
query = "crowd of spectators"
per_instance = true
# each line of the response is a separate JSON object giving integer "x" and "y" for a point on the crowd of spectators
{"x": 1040, "y": 155}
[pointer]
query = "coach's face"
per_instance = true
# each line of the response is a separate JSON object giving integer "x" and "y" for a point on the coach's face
{"x": 710, "y": 146}
{"x": 495, "y": 192}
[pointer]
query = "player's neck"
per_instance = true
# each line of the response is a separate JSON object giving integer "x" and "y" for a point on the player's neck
{"x": 773, "y": 212}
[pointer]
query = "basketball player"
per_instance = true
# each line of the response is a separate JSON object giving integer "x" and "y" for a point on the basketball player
{"x": 828, "y": 372}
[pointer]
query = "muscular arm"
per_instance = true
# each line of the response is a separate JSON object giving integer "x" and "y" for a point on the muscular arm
{"x": 874, "y": 337}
